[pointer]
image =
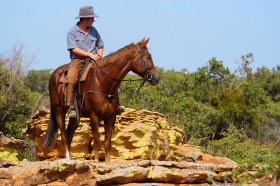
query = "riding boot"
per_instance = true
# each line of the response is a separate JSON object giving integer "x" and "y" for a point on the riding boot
{"x": 70, "y": 100}
{"x": 70, "y": 91}
{"x": 75, "y": 67}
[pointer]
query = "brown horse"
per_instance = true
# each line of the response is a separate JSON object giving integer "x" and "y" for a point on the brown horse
{"x": 99, "y": 95}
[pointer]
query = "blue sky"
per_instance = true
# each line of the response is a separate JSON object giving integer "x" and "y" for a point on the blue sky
{"x": 185, "y": 34}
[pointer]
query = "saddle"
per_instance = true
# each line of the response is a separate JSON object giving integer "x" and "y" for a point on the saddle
{"x": 82, "y": 76}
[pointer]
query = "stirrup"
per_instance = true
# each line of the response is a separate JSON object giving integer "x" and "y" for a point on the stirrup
{"x": 72, "y": 113}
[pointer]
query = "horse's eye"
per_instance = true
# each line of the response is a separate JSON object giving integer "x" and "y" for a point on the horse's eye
{"x": 150, "y": 58}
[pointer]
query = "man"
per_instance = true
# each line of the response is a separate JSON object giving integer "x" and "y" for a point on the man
{"x": 83, "y": 41}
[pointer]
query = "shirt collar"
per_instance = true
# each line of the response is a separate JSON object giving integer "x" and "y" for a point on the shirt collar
{"x": 78, "y": 28}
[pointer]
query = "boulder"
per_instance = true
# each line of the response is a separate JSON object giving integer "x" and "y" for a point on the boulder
{"x": 9, "y": 148}
{"x": 138, "y": 135}
{"x": 12, "y": 143}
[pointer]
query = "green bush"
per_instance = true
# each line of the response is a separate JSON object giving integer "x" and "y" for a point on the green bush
{"x": 241, "y": 149}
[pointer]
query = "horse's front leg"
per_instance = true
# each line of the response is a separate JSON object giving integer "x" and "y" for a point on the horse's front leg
{"x": 64, "y": 137}
{"x": 109, "y": 128}
{"x": 94, "y": 123}
{"x": 72, "y": 126}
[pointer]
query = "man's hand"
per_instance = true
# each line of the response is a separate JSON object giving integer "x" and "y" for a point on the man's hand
{"x": 94, "y": 57}
{"x": 81, "y": 52}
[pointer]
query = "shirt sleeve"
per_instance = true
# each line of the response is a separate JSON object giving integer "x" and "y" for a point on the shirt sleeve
{"x": 100, "y": 42}
{"x": 71, "y": 40}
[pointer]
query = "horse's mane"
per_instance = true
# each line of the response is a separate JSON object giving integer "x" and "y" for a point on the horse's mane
{"x": 112, "y": 57}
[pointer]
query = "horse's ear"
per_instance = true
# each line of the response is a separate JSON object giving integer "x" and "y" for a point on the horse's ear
{"x": 143, "y": 42}
{"x": 147, "y": 41}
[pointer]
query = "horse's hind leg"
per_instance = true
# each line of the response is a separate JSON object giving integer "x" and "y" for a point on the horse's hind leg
{"x": 64, "y": 138}
{"x": 96, "y": 136}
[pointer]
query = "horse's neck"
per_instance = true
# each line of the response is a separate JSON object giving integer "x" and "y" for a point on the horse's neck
{"x": 119, "y": 69}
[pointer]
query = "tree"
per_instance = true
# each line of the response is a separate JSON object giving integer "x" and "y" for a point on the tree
{"x": 15, "y": 98}
{"x": 38, "y": 80}
{"x": 270, "y": 81}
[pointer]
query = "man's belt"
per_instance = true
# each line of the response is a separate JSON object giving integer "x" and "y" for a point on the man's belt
{"x": 82, "y": 58}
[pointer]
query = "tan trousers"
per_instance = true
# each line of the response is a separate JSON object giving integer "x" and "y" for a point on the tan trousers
{"x": 72, "y": 78}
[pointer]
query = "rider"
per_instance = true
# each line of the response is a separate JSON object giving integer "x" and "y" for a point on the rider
{"x": 83, "y": 41}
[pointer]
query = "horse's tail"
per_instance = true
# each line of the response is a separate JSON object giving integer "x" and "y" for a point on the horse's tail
{"x": 51, "y": 132}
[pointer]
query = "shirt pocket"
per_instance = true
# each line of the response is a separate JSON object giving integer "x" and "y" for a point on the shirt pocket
{"x": 81, "y": 43}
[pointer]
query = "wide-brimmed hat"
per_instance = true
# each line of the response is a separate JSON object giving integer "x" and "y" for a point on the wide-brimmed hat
{"x": 86, "y": 12}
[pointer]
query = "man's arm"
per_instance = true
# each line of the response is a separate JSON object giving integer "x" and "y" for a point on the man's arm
{"x": 81, "y": 52}
{"x": 100, "y": 51}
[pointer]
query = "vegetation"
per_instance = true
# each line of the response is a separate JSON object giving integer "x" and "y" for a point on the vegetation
{"x": 232, "y": 114}
{"x": 10, "y": 154}
{"x": 21, "y": 91}
{"x": 212, "y": 100}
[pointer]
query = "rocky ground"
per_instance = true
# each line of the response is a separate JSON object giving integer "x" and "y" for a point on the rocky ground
{"x": 126, "y": 173}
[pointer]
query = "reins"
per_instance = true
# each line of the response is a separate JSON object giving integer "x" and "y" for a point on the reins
{"x": 149, "y": 76}
{"x": 115, "y": 79}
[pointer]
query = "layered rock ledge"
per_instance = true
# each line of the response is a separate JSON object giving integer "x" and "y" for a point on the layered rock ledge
{"x": 87, "y": 172}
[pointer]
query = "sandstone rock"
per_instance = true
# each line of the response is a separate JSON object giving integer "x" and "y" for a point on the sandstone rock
{"x": 6, "y": 162}
{"x": 126, "y": 175}
{"x": 176, "y": 175}
{"x": 188, "y": 152}
{"x": 138, "y": 135}
{"x": 5, "y": 174}
{"x": 222, "y": 163}
{"x": 11, "y": 142}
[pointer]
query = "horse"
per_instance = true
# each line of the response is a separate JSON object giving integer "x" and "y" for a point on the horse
{"x": 99, "y": 92}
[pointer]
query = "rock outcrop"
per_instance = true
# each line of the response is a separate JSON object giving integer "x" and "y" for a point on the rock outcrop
{"x": 138, "y": 134}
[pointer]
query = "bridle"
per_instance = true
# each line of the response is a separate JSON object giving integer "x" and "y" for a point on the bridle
{"x": 149, "y": 76}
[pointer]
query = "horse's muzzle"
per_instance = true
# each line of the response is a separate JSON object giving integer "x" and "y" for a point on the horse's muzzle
{"x": 153, "y": 78}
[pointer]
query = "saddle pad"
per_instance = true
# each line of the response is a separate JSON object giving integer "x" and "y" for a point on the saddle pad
{"x": 83, "y": 78}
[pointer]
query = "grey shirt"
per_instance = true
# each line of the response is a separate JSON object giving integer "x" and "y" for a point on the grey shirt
{"x": 76, "y": 38}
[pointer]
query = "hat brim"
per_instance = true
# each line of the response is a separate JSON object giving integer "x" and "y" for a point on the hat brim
{"x": 88, "y": 16}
